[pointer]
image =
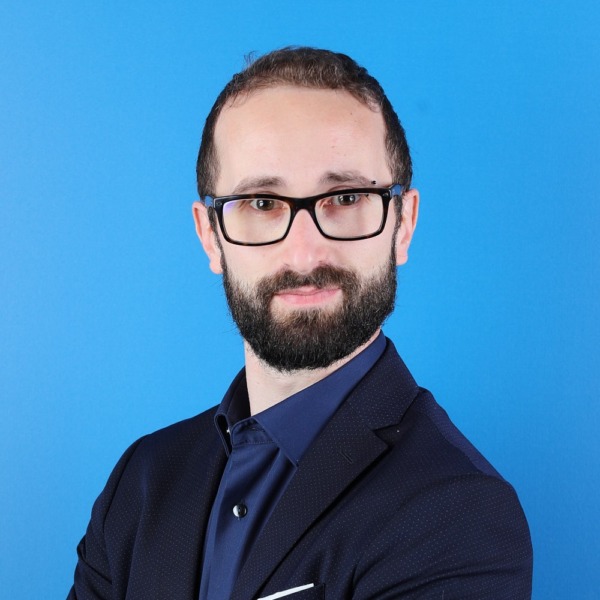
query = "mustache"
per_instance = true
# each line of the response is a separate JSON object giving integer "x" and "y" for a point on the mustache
{"x": 320, "y": 277}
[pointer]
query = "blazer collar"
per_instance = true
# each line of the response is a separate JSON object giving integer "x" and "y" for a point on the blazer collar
{"x": 385, "y": 393}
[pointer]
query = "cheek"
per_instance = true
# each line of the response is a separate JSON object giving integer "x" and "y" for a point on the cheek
{"x": 245, "y": 264}
{"x": 376, "y": 251}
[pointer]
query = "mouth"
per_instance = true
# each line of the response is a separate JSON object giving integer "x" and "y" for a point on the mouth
{"x": 307, "y": 296}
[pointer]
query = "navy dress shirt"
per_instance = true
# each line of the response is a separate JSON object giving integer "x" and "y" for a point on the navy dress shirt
{"x": 264, "y": 451}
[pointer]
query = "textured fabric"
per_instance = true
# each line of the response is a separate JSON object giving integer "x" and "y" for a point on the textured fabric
{"x": 264, "y": 452}
{"x": 255, "y": 471}
{"x": 390, "y": 501}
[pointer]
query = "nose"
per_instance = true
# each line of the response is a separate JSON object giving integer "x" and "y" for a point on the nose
{"x": 304, "y": 248}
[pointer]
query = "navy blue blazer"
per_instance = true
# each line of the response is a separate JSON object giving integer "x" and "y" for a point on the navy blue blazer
{"x": 390, "y": 501}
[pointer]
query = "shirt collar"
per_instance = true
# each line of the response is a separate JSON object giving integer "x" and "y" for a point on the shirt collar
{"x": 294, "y": 423}
{"x": 234, "y": 407}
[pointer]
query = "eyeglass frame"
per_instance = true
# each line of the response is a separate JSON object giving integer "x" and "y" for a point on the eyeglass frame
{"x": 308, "y": 203}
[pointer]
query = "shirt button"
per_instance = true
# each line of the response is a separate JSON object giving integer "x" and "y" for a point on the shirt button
{"x": 240, "y": 510}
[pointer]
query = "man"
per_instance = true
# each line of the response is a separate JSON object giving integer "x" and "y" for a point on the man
{"x": 325, "y": 472}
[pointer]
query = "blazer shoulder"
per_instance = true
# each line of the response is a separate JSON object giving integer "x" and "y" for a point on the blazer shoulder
{"x": 165, "y": 451}
{"x": 390, "y": 402}
{"x": 152, "y": 510}
{"x": 446, "y": 439}
{"x": 439, "y": 498}
{"x": 177, "y": 436}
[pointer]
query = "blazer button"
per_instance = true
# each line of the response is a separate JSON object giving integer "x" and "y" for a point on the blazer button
{"x": 240, "y": 510}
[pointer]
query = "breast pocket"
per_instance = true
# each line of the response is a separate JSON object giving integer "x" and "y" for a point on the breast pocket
{"x": 312, "y": 593}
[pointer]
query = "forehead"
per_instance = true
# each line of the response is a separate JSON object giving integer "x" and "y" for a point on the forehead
{"x": 297, "y": 134}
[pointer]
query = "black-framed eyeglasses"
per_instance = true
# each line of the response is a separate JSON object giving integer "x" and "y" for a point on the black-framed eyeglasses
{"x": 262, "y": 219}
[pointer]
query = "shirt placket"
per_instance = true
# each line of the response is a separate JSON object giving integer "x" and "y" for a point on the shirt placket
{"x": 252, "y": 456}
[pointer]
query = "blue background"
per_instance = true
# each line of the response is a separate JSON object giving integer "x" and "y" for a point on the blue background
{"x": 112, "y": 326}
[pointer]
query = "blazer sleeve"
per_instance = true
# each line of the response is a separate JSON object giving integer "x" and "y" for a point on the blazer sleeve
{"x": 93, "y": 578}
{"x": 461, "y": 539}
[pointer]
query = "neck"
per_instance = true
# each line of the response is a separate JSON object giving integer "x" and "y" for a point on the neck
{"x": 268, "y": 386}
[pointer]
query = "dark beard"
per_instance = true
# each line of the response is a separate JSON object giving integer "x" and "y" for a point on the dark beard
{"x": 311, "y": 338}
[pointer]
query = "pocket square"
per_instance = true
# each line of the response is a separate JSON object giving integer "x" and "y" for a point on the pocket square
{"x": 288, "y": 592}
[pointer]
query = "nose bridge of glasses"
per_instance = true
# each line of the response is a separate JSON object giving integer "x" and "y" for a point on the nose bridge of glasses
{"x": 308, "y": 204}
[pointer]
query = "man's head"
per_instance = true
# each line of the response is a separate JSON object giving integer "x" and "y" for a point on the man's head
{"x": 306, "y": 123}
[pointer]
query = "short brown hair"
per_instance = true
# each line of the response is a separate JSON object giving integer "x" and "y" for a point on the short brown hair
{"x": 311, "y": 68}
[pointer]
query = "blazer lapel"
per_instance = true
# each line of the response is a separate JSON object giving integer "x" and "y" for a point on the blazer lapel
{"x": 337, "y": 457}
{"x": 344, "y": 449}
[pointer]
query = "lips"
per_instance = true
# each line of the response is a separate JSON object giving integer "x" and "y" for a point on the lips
{"x": 306, "y": 290}
{"x": 321, "y": 278}
{"x": 306, "y": 295}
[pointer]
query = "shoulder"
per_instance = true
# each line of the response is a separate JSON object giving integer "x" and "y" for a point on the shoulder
{"x": 390, "y": 402}
{"x": 430, "y": 435}
{"x": 431, "y": 473}
{"x": 169, "y": 446}
{"x": 178, "y": 437}
{"x": 158, "y": 487}
{"x": 439, "y": 471}
{"x": 161, "y": 456}
{"x": 436, "y": 504}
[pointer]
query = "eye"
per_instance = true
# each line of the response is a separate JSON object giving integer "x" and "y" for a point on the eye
{"x": 346, "y": 199}
{"x": 263, "y": 204}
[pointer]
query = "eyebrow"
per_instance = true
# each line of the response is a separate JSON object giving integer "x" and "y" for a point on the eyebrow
{"x": 345, "y": 177}
{"x": 264, "y": 182}
{"x": 250, "y": 184}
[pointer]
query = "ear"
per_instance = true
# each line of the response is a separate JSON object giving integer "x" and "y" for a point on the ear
{"x": 207, "y": 236}
{"x": 410, "y": 213}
